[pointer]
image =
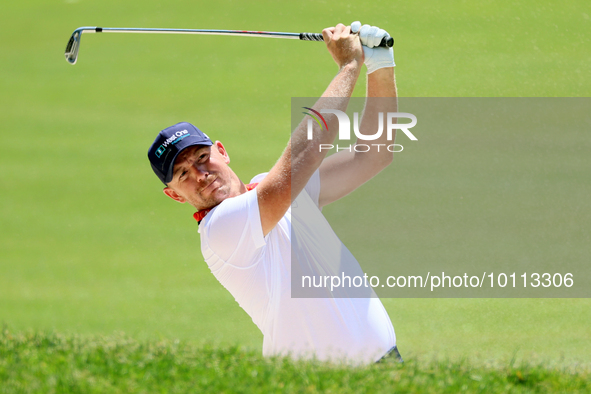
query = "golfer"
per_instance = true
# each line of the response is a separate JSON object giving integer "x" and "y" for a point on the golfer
{"x": 253, "y": 234}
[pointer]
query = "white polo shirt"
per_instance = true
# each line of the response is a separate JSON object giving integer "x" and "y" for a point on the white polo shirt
{"x": 257, "y": 272}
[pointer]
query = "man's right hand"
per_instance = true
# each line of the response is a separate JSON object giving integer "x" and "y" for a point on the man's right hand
{"x": 344, "y": 46}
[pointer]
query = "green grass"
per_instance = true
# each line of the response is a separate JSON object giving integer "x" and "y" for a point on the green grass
{"x": 42, "y": 362}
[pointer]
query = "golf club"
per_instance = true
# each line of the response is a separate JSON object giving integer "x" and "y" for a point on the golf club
{"x": 74, "y": 44}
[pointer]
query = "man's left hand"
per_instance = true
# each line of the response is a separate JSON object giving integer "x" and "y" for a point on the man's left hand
{"x": 376, "y": 57}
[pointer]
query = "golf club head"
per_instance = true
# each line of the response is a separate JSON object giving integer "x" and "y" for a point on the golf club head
{"x": 73, "y": 46}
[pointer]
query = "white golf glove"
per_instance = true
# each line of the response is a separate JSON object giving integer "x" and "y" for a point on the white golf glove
{"x": 375, "y": 57}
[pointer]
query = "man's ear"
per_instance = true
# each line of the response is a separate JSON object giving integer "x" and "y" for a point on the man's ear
{"x": 222, "y": 151}
{"x": 174, "y": 195}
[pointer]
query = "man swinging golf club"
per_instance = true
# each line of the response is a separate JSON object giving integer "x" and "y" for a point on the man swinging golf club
{"x": 252, "y": 235}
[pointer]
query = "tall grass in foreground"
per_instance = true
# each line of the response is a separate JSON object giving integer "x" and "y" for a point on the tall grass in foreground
{"x": 40, "y": 362}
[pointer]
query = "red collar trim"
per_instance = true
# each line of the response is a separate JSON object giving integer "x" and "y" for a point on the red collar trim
{"x": 199, "y": 215}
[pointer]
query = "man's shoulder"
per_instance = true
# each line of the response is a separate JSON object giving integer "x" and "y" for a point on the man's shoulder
{"x": 312, "y": 187}
{"x": 259, "y": 177}
{"x": 233, "y": 225}
{"x": 232, "y": 206}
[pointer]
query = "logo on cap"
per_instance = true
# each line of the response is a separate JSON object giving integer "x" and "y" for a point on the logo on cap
{"x": 175, "y": 138}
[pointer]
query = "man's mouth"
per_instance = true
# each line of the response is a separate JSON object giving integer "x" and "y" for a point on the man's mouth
{"x": 209, "y": 187}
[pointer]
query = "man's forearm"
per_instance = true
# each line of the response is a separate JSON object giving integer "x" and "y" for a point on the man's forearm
{"x": 344, "y": 82}
{"x": 305, "y": 155}
{"x": 382, "y": 83}
{"x": 381, "y": 98}
{"x": 345, "y": 171}
{"x": 301, "y": 158}
{"x": 336, "y": 96}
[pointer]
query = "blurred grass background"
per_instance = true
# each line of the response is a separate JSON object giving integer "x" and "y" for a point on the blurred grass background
{"x": 88, "y": 242}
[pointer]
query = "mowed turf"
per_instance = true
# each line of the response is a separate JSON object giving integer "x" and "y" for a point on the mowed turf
{"x": 91, "y": 245}
{"x": 40, "y": 362}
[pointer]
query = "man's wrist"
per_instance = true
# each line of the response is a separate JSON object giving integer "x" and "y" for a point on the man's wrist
{"x": 381, "y": 73}
{"x": 381, "y": 83}
{"x": 352, "y": 66}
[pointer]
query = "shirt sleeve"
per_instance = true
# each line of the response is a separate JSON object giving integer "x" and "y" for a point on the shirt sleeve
{"x": 234, "y": 225}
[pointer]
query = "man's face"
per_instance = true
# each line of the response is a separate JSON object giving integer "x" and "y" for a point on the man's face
{"x": 202, "y": 177}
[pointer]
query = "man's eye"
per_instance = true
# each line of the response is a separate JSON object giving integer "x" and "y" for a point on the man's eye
{"x": 183, "y": 173}
{"x": 203, "y": 157}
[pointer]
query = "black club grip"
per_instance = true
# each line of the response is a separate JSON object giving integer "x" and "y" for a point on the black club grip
{"x": 387, "y": 42}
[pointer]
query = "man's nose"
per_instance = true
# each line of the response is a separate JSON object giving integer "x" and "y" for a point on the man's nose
{"x": 200, "y": 172}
